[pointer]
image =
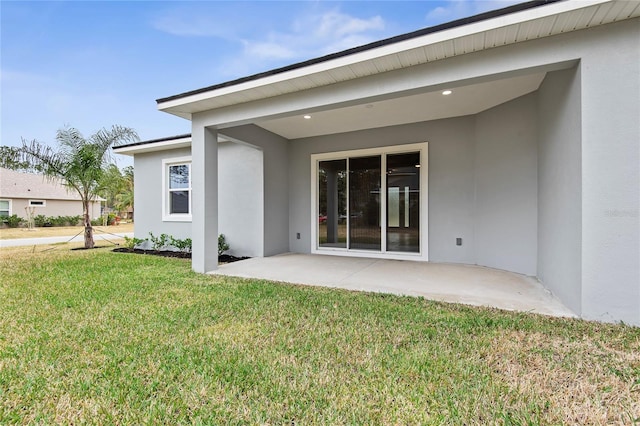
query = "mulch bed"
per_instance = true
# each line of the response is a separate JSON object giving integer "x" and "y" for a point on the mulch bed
{"x": 225, "y": 258}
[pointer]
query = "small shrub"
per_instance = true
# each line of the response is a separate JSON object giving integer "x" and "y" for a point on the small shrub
{"x": 13, "y": 221}
{"x": 132, "y": 243}
{"x": 222, "y": 244}
{"x": 58, "y": 221}
{"x": 182, "y": 245}
{"x": 158, "y": 243}
{"x": 40, "y": 220}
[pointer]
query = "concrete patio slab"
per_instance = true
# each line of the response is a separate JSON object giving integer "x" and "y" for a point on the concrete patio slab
{"x": 457, "y": 283}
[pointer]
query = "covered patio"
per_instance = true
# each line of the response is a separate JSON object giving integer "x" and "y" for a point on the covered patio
{"x": 506, "y": 140}
{"x": 447, "y": 282}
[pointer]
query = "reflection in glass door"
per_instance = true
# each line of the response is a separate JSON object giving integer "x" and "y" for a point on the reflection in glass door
{"x": 332, "y": 203}
{"x": 403, "y": 202}
{"x": 364, "y": 203}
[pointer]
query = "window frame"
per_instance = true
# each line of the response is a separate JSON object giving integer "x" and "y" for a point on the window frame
{"x": 10, "y": 205}
{"x": 167, "y": 216}
{"x": 383, "y": 151}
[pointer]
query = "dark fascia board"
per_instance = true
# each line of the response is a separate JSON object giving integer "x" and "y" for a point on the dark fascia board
{"x": 169, "y": 138}
{"x": 446, "y": 26}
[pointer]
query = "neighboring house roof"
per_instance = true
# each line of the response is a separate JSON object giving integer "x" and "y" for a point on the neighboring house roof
{"x": 34, "y": 186}
{"x": 515, "y": 24}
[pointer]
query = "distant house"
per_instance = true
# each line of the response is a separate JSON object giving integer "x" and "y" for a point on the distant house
{"x": 19, "y": 191}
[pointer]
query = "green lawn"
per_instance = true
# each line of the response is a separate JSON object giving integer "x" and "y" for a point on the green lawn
{"x": 100, "y": 337}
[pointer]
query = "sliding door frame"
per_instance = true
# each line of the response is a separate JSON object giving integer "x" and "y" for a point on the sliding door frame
{"x": 423, "y": 254}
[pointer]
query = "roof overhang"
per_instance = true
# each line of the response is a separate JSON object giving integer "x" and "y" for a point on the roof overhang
{"x": 164, "y": 144}
{"x": 519, "y": 23}
{"x": 173, "y": 142}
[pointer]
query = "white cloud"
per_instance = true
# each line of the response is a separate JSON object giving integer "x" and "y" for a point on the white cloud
{"x": 268, "y": 50}
{"x": 456, "y": 9}
{"x": 265, "y": 43}
{"x": 310, "y": 35}
{"x": 336, "y": 24}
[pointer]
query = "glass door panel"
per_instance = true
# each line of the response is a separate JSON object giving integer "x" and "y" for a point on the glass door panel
{"x": 332, "y": 203}
{"x": 403, "y": 202}
{"x": 364, "y": 203}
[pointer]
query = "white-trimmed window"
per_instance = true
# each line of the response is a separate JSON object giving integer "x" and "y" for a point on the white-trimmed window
{"x": 176, "y": 192}
{"x": 37, "y": 203}
{"x": 5, "y": 208}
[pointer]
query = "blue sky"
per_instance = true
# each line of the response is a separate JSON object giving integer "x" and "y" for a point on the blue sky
{"x": 92, "y": 64}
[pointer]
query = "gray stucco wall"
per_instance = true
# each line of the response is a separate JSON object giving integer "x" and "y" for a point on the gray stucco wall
{"x": 560, "y": 187}
{"x": 610, "y": 82}
{"x": 240, "y": 186}
{"x": 506, "y": 212}
{"x": 240, "y": 182}
{"x": 482, "y": 183}
{"x": 276, "y": 185}
{"x": 148, "y": 195}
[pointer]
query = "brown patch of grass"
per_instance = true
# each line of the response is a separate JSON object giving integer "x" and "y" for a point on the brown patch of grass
{"x": 582, "y": 381}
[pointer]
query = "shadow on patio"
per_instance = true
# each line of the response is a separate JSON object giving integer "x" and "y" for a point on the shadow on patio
{"x": 447, "y": 282}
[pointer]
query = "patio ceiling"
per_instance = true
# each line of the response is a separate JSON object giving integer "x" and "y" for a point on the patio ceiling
{"x": 463, "y": 100}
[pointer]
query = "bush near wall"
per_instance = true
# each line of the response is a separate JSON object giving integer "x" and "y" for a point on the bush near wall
{"x": 42, "y": 220}
{"x": 11, "y": 221}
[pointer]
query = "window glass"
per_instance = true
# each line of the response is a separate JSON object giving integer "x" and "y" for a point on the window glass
{"x": 332, "y": 203}
{"x": 179, "y": 202}
{"x": 364, "y": 203}
{"x": 403, "y": 202}
{"x": 4, "y": 208}
{"x": 179, "y": 176}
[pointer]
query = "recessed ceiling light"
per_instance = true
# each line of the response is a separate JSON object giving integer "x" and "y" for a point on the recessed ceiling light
{"x": 447, "y": 92}
{"x": 307, "y": 117}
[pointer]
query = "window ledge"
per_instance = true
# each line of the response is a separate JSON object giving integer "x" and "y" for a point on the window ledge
{"x": 177, "y": 218}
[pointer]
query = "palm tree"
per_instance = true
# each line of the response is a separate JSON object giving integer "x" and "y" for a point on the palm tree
{"x": 79, "y": 162}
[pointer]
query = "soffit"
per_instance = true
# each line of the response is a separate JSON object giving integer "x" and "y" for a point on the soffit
{"x": 544, "y": 21}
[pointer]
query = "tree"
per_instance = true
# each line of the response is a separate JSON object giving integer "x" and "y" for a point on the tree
{"x": 111, "y": 184}
{"x": 79, "y": 162}
{"x": 10, "y": 158}
{"x": 124, "y": 200}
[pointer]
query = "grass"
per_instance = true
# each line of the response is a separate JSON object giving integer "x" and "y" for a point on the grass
{"x": 100, "y": 337}
{"x": 59, "y": 231}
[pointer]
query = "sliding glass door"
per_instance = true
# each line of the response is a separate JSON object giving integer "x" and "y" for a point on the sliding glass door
{"x": 360, "y": 208}
{"x": 364, "y": 203}
{"x": 403, "y": 202}
{"x": 332, "y": 203}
